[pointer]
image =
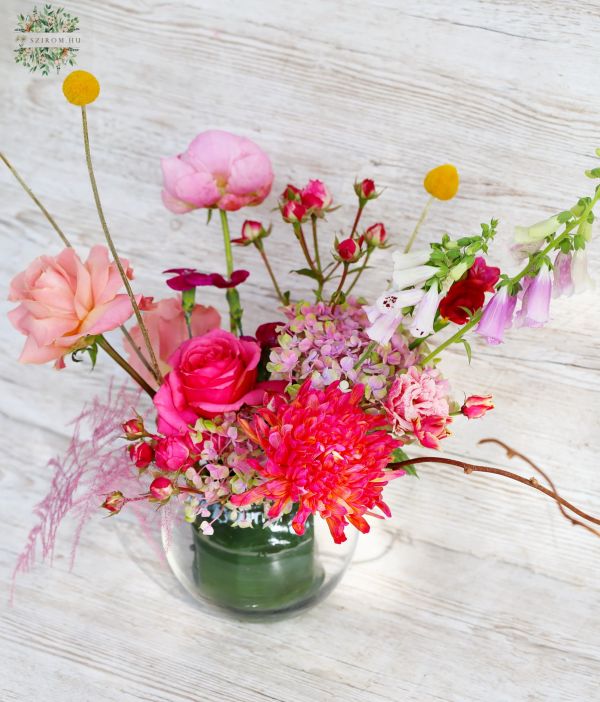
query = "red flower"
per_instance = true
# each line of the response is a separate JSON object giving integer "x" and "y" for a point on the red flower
{"x": 190, "y": 278}
{"x": 476, "y": 406}
{"x": 468, "y": 295}
{"x": 348, "y": 250}
{"x": 141, "y": 454}
{"x": 324, "y": 452}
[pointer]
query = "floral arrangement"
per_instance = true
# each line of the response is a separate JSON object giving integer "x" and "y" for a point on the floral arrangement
{"x": 311, "y": 414}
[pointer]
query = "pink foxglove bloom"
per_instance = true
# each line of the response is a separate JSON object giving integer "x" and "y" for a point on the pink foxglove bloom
{"x": 424, "y": 314}
{"x": 535, "y": 305}
{"x": 563, "y": 282}
{"x": 537, "y": 232}
{"x": 497, "y": 316}
{"x": 475, "y": 406}
{"x": 324, "y": 452}
{"x": 218, "y": 169}
{"x": 417, "y": 404}
{"x": 167, "y": 329}
{"x": 387, "y": 313}
{"x": 62, "y": 300}
{"x": 582, "y": 280}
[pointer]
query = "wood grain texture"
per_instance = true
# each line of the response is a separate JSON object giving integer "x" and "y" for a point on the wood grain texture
{"x": 484, "y": 592}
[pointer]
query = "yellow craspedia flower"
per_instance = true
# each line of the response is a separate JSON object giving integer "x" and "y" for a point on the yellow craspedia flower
{"x": 81, "y": 88}
{"x": 442, "y": 182}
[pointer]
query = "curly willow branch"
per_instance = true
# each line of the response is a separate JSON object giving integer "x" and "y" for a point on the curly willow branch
{"x": 551, "y": 491}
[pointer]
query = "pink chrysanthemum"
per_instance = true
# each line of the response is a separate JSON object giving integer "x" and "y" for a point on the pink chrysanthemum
{"x": 325, "y": 453}
{"x": 418, "y": 404}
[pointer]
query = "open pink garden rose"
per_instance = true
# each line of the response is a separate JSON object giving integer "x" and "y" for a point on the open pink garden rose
{"x": 62, "y": 300}
{"x": 212, "y": 374}
{"x": 218, "y": 169}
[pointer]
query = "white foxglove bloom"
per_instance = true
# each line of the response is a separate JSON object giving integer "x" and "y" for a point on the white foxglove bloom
{"x": 579, "y": 272}
{"x": 538, "y": 231}
{"x": 424, "y": 314}
{"x": 386, "y": 314}
{"x": 402, "y": 261}
{"x": 412, "y": 276}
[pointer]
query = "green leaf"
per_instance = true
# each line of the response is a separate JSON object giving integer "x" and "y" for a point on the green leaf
{"x": 399, "y": 455}
{"x": 468, "y": 349}
{"x": 308, "y": 272}
{"x": 209, "y": 215}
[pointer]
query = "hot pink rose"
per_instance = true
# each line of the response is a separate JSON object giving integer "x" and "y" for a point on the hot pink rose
{"x": 211, "y": 374}
{"x": 167, "y": 329}
{"x": 218, "y": 169}
{"x": 63, "y": 300}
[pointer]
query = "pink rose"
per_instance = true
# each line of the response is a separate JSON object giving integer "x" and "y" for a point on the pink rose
{"x": 211, "y": 374}
{"x": 218, "y": 169}
{"x": 167, "y": 329}
{"x": 175, "y": 452}
{"x": 315, "y": 196}
{"x": 63, "y": 300}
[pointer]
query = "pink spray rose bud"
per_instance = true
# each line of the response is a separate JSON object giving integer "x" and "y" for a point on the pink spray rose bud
{"x": 375, "y": 235}
{"x": 316, "y": 197}
{"x": 251, "y": 231}
{"x": 291, "y": 192}
{"x": 218, "y": 169}
{"x": 365, "y": 190}
{"x": 114, "y": 502}
{"x": 293, "y": 212}
{"x": 476, "y": 406}
{"x": 62, "y": 300}
{"x": 141, "y": 454}
{"x": 348, "y": 250}
{"x": 133, "y": 428}
{"x": 161, "y": 488}
{"x": 174, "y": 452}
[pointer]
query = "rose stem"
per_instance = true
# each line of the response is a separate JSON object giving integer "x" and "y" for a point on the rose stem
{"x": 261, "y": 249}
{"x": 360, "y": 271}
{"x": 88, "y": 157}
{"x": 359, "y": 212}
{"x": 137, "y": 349}
{"x": 116, "y": 356}
{"x": 420, "y": 221}
{"x": 28, "y": 190}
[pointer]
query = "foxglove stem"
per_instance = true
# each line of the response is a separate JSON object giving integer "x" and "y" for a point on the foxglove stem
{"x": 117, "y": 358}
{"x": 232, "y": 295}
{"x": 360, "y": 271}
{"x": 420, "y": 221}
{"x": 261, "y": 249}
{"x": 31, "y": 194}
{"x": 452, "y": 339}
{"x": 88, "y": 156}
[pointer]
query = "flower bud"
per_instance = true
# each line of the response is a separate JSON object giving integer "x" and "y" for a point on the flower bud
{"x": 375, "y": 235}
{"x": 316, "y": 197}
{"x": 161, "y": 488}
{"x": 537, "y": 232}
{"x": 133, "y": 428}
{"x": 141, "y": 454}
{"x": 585, "y": 230}
{"x": 114, "y": 502}
{"x": 251, "y": 232}
{"x": 442, "y": 182}
{"x": 266, "y": 334}
{"x": 476, "y": 406}
{"x": 293, "y": 212}
{"x": 365, "y": 190}
{"x": 457, "y": 272}
{"x": 291, "y": 192}
{"x": 348, "y": 250}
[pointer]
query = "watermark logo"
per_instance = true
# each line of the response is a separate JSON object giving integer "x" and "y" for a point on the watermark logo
{"x": 47, "y": 39}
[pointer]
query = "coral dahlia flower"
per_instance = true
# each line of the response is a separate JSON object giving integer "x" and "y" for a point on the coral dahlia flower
{"x": 324, "y": 452}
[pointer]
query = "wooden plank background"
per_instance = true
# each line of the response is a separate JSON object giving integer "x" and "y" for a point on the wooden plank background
{"x": 484, "y": 592}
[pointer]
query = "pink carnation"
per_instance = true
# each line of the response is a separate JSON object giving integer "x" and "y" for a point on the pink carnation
{"x": 167, "y": 329}
{"x": 218, "y": 169}
{"x": 62, "y": 300}
{"x": 417, "y": 403}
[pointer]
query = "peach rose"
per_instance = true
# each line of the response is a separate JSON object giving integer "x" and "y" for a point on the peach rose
{"x": 166, "y": 326}
{"x": 63, "y": 300}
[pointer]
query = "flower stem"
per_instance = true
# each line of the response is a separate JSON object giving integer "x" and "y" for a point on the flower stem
{"x": 88, "y": 156}
{"x": 300, "y": 236}
{"x": 261, "y": 249}
{"x": 31, "y": 194}
{"x": 343, "y": 277}
{"x": 357, "y": 220}
{"x": 232, "y": 295}
{"x": 420, "y": 221}
{"x": 360, "y": 271}
{"x": 452, "y": 339}
{"x": 365, "y": 355}
{"x": 137, "y": 349}
{"x": 116, "y": 356}
{"x": 316, "y": 242}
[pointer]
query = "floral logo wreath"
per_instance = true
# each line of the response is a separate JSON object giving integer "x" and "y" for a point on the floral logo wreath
{"x": 49, "y": 20}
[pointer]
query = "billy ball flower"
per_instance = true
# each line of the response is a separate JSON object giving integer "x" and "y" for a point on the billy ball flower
{"x": 81, "y": 88}
{"x": 442, "y": 182}
{"x": 324, "y": 452}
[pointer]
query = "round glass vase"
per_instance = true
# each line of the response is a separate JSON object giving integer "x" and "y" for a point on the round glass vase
{"x": 265, "y": 571}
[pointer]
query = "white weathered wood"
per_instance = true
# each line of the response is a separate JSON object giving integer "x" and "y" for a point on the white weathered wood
{"x": 485, "y": 592}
